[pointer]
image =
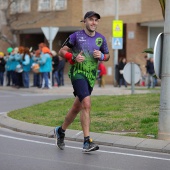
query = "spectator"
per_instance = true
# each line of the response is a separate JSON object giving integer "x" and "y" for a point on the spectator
{"x": 55, "y": 62}
{"x": 8, "y": 66}
{"x": 2, "y": 68}
{"x": 102, "y": 73}
{"x": 121, "y": 66}
{"x": 15, "y": 60}
{"x": 41, "y": 45}
{"x": 36, "y": 74}
{"x": 45, "y": 62}
{"x": 26, "y": 64}
{"x": 151, "y": 73}
{"x": 61, "y": 66}
{"x": 18, "y": 53}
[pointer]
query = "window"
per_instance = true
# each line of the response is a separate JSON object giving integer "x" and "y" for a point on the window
{"x": 44, "y": 5}
{"x": 49, "y": 5}
{"x": 20, "y": 6}
{"x": 3, "y": 4}
{"x": 59, "y": 4}
{"x": 25, "y": 6}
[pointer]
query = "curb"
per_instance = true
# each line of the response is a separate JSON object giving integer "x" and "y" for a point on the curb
{"x": 153, "y": 145}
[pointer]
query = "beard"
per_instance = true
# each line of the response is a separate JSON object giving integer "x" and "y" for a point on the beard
{"x": 90, "y": 30}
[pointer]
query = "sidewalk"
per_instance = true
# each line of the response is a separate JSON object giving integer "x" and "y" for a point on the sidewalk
{"x": 68, "y": 90}
{"x": 75, "y": 135}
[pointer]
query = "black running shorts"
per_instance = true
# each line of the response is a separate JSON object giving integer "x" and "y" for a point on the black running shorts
{"x": 81, "y": 88}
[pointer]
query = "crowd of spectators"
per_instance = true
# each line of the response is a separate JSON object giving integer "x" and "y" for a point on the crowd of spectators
{"x": 20, "y": 61}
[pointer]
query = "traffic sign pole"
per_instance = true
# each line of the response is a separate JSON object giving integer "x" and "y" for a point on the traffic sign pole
{"x": 164, "y": 108}
{"x": 132, "y": 74}
{"x": 50, "y": 33}
{"x": 116, "y": 51}
{"x": 132, "y": 78}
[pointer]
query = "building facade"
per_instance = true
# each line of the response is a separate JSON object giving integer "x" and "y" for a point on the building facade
{"x": 142, "y": 22}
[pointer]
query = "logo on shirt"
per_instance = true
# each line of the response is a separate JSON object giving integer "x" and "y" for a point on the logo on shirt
{"x": 99, "y": 42}
{"x": 82, "y": 39}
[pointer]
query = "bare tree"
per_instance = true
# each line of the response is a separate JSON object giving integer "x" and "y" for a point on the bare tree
{"x": 10, "y": 19}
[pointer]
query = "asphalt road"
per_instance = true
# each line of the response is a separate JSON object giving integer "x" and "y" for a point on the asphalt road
{"x": 12, "y": 100}
{"x": 26, "y": 152}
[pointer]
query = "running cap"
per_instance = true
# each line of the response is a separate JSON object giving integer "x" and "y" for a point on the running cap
{"x": 90, "y": 14}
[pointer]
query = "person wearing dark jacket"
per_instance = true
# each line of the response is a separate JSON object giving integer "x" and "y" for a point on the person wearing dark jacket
{"x": 55, "y": 63}
{"x": 61, "y": 71}
{"x": 151, "y": 73}
{"x": 121, "y": 66}
{"x": 2, "y": 68}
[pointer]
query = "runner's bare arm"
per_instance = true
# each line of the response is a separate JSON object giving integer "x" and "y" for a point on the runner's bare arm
{"x": 63, "y": 51}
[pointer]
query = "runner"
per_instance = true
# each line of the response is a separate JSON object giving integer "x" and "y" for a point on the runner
{"x": 83, "y": 49}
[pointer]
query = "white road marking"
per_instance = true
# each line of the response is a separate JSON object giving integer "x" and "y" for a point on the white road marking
{"x": 102, "y": 151}
{"x": 79, "y": 133}
{"x": 1, "y": 113}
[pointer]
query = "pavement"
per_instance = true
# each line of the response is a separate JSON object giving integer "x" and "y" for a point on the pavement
{"x": 108, "y": 139}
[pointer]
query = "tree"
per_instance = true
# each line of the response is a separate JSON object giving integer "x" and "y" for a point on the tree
{"x": 8, "y": 22}
{"x": 162, "y": 3}
{"x": 10, "y": 18}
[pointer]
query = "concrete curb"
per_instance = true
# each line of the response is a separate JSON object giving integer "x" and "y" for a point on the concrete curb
{"x": 100, "y": 138}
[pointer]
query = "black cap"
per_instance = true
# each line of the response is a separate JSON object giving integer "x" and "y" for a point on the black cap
{"x": 90, "y": 14}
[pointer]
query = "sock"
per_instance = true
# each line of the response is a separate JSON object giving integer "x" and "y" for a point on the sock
{"x": 86, "y": 139}
{"x": 60, "y": 130}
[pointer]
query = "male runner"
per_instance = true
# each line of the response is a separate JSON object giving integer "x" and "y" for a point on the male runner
{"x": 83, "y": 49}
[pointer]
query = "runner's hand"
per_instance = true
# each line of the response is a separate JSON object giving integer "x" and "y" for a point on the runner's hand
{"x": 97, "y": 54}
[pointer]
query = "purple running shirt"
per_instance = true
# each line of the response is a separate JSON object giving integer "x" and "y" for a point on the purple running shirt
{"x": 87, "y": 69}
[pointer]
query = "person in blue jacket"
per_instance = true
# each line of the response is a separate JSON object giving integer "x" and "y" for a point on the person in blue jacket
{"x": 13, "y": 65}
{"x": 45, "y": 63}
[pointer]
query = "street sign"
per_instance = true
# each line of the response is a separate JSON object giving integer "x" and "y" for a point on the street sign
{"x": 50, "y": 32}
{"x": 129, "y": 75}
{"x": 117, "y": 28}
{"x": 157, "y": 54}
{"x": 117, "y": 43}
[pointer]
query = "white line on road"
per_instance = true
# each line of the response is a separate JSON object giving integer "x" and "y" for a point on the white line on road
{"x": 102, "y": 151}
{"x": 1, "y": 113}
{"x": 79, "y": 133}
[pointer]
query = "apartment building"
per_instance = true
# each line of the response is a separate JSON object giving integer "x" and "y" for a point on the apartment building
{"x": 142, "y": 22}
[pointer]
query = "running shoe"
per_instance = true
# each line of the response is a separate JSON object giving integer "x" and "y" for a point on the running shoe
{"x": 59, "y": 138}
{"x": 90, "y": 146}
